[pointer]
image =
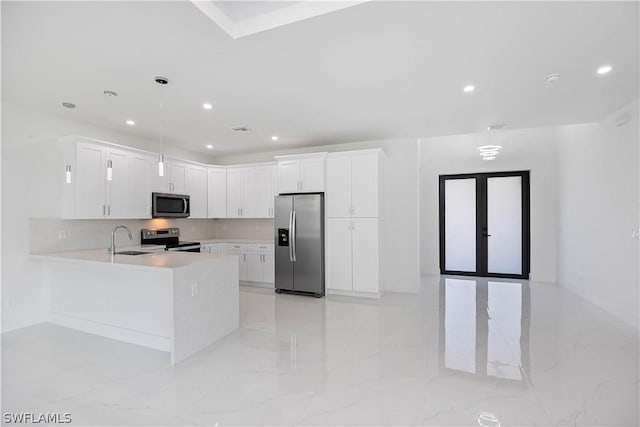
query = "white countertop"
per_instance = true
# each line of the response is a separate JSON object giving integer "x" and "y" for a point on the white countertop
{"x": 246, "y": 241}
{"x": 154, "y": 260}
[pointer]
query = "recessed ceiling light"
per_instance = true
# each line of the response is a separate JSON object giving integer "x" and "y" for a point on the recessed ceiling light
{"x": 207, "y": 106}
{"x": 469, "y": 88}
{"x": 130, "y": 122}
{"x": 274, "y": 138}
{"x": 69, "y": 105}
{"x": 605, "y": 69}
{"x": 209, "y": 146}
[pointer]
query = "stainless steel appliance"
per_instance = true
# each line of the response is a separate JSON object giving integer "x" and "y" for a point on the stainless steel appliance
{"x": 299, "y": 244}
{"x": 167, "y": 205}
{"x": 170, "y": 237}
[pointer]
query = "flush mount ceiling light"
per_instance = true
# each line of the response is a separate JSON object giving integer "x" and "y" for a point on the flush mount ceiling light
{"x": 552, "y": 78}
{"x": 274, "y": 138}
{"x": 605, "y": 69}
{"x": 207, "y": 106}
{"x": 130, "y": 122}
{"x": 209, "y": 146}
{"x": 469, "y": 88}
{"x": 70, "y": 105}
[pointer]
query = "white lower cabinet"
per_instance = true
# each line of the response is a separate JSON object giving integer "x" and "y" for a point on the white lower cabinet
{"x": 241, "y": 251}
{"x": 261, "y": 262}
{"x": 353, "y": 256}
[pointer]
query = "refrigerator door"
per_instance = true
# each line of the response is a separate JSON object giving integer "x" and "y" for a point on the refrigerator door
{"x": 283, "y": 249}
{"x": 307, "y": 238}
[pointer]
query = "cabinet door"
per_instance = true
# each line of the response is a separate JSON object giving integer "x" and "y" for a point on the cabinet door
{"x": 244, "y": 273}
{"x": 264, "y": 191}
{"x": 364, "y": 185}
{"x": 196, "y": 188}
{"x": 254, "y": 267}
{"x": 144, "y": 169}
{"x": 178, "y": 177}
{"x": 249, "y": 193}
{"x": 365, "y": 255}
{"x": 234, "y": 192}
{"x": 288, "y": 176}
{"x": 339, "y": 187}
{"x": 118, "y": 198}
{"x": 269, "y": 264}
{"x": 312, "y": 175}
{"x": 217, "y": 189}
{"x": 91, "y": 181}
{"x": 339, "y": 253}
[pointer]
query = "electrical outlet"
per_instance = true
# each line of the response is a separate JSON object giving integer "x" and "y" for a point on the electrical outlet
{"x": 194, "y": 289}
{"x": 62, "y": 234}
{"x": 11, "y": 302}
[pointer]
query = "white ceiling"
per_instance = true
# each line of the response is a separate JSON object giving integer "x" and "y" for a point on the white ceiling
{"x": 375, "y": 70}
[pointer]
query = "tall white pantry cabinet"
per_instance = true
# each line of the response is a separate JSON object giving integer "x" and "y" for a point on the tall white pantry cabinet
{"x": 353, "y": 199}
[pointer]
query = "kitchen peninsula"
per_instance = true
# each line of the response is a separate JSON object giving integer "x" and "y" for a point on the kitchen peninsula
{"x": 179, "y": 302}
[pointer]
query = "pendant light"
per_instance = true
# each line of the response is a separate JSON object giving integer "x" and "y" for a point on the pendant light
{"x": 490, "y": 151}
{"x": 109, "y": 94}
{"x": 67, "y": 168}
{"x": 162, "y": 81}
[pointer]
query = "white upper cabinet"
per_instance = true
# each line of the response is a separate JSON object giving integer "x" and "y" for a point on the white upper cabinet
{"x": 217, "y": 192}
{"x": 301, "y": 173}
{"x": 196, "y": 187}
{"x": 108, "y": 182}
{"x": 177, "y": 177}
{"x": 143, "y": 168}
{"x": 241, "y": 192}
{"x": 353, "y": 184}
{"x": 266, "y": 190}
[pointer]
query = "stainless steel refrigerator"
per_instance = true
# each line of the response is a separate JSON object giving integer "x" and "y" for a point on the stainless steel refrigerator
{"x": 299, "y": 244}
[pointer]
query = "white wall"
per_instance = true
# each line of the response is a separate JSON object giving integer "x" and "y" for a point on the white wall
{"x": 598, "y": 188}
{"x": 400, "y": 252}
{"x": 22, "y": 131}
{"x": 525, "y": 149}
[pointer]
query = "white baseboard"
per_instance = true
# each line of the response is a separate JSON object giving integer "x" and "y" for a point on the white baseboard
{"x": 372, "y": 295}
{"x": 257, "y": 284}
{"x": 19, "y": 322}
{"x": 110, "y": 331}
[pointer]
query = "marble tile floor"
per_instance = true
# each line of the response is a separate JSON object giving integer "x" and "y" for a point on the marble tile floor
{"x": 462, "y": 352}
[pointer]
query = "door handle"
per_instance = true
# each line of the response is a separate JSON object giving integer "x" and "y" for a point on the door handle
{"x": 290, "y": 236}
{"x": 293, "y": 239}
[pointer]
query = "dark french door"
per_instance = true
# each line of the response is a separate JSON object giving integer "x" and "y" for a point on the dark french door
{"x": 485, "y": 224}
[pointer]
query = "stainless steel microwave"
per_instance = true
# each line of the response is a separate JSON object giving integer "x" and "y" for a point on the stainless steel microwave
{"x": 167, "y": 205}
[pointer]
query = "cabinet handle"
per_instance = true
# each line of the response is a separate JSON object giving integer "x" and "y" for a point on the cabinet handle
{"x": 245, "y": 257}
{"x": 238, "y": 211}
{"x": 104, "y": 210}
{"x": 109, "y": 210}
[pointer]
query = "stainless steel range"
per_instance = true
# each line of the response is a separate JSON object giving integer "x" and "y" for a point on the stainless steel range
{"x": 170, "y": 237}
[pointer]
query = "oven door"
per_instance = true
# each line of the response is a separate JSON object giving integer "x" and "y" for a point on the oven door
{"x": 167, "y": 205}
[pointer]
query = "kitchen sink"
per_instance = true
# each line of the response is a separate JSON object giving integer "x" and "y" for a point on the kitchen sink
{"x": 131, "y": 253}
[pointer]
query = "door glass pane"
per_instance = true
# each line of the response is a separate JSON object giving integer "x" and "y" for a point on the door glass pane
{"x": 460, "y": 325}
{"x": 504, "y": 224}
{"x": 460, "y": 224}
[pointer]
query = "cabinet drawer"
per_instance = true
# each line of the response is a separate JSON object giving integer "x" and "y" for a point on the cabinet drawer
{"x": 234, "y": 248}
{"x": 262, "y": 248}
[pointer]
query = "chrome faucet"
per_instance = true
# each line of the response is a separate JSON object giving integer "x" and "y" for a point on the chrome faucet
{"x": 112, "y": 248}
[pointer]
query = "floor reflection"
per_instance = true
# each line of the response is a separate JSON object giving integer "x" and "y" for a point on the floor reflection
{"x": 484, "y": 327}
